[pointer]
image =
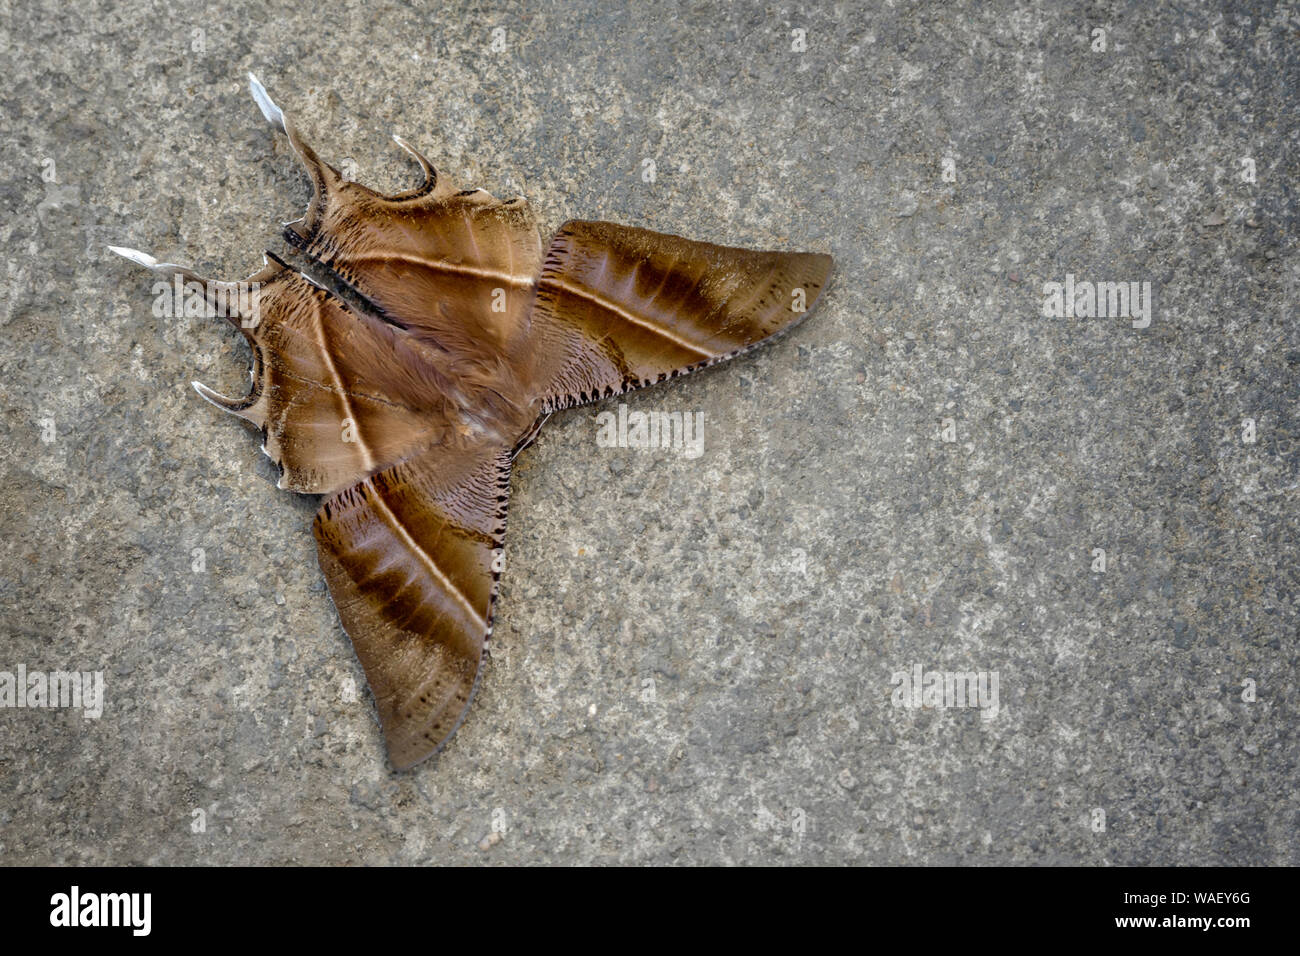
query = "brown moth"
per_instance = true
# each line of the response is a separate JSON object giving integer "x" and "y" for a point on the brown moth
{"x": 403, "y": 385}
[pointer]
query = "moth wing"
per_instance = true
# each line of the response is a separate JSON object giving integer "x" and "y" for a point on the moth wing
{"x": 337, "y": 393}
{"x": 617, "y": 307}
{"x": 412, "y": 557}
{"x": 454, "y": 267}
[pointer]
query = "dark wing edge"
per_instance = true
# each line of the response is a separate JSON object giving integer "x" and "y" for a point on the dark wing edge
{"x": 413, "y": 559}
{"x": 622, "y": 307}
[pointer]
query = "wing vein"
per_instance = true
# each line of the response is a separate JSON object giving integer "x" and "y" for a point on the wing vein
{"x": 608, "y": 305}
{"x": 425, "y": 558}
{"x": 344, "y": 398}
{"x": 442, "y": 265}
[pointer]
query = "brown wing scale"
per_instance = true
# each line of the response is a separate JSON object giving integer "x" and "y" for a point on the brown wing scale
{"x": 620, "y": 307}
{"x": 412, "y": 558}
{"x": 337, "y": 394}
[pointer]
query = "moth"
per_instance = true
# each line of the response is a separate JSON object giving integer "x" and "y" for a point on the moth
{"x": 423, "y": 342}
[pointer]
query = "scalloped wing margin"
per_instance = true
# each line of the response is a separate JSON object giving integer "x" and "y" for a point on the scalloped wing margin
{"x": 618, "y": 307}
{"x": 412, "y": 556}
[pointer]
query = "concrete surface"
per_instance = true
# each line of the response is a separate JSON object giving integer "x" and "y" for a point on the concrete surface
{"x": 693, "y": 657}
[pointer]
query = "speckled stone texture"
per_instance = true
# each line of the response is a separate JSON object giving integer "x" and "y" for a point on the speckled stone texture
{"x": 694, "y": 657}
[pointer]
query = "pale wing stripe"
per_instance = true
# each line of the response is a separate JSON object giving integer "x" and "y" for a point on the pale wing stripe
{"x": 596, "y": 299}
{"x": 344, "y": 398}
{"x": 433, "y": 569}
{"x": 442, "y": 265}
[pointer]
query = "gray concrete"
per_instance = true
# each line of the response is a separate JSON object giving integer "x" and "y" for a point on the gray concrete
{"x": 768, "y": 733}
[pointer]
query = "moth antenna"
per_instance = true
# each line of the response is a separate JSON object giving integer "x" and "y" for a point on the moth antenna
{"x": 146, "y": 260}
{"x": 249, "y": 409}
{"x": 430, "y": 174}
{"x": 323, "y": 176}
{"x": 225, "y": 295}
{"x": 167, "y": 269}
{"x": 274, "y": 115}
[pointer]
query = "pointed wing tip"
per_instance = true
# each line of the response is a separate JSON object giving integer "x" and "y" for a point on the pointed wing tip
{"x": 406, "y": 762}
{"x": 208, "y": 395}
{"x": 828, "y": 263}
{"x": 820, "y": 265}
{"x": 239, "y": 408}
{"x": 823, "y": 260}
{"x": 430, "y": 175}
{"x": 411, "y": 757}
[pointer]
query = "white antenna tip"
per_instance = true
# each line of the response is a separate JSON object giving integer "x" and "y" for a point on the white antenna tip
{"x": 273, "y": 113}
{"x": 135, "y": 255}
